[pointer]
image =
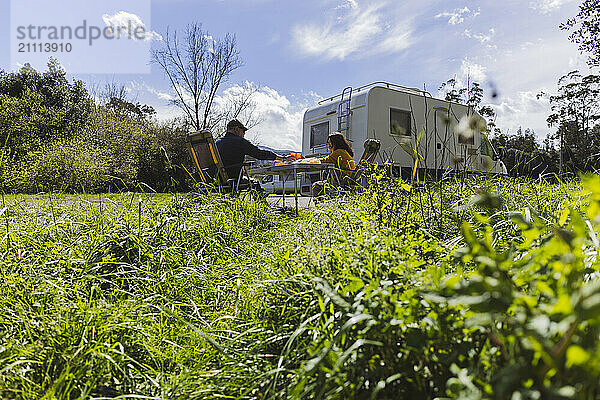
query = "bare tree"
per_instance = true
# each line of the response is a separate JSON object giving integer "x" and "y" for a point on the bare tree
{"x": 113, "y": 90}
{"x": 237, "y": 102}
{"x": 104, "y": 92}
{"x": 196, "y": 68}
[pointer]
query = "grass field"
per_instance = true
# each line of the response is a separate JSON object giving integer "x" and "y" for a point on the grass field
{"x": 472, "y": 289}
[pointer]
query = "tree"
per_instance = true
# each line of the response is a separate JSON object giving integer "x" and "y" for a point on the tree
{"x": 522, "y": 155}
{"x": 38, "y": 107}
{"x": 113, "y": 90}
{"x": 56, "y": 92}
{"x": 196, "y": 68}
{"x": 586, "y": 30}
{"x": 472, "y": 95}
{"x": 453, "y": 93}
{"x": 237, "y": 102}
{"x": 575, "y": 110}
{"x": 129, "y": 109}
{"x": 523, "y": 140}
{"x": 578, "y": 101}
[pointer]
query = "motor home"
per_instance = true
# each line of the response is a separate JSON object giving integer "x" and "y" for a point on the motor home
{"x": 415, "y": 130}
{"x": 274, "y": 184}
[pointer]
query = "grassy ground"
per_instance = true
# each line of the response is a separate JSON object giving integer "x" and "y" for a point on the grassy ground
{"x": 201, "y": 296}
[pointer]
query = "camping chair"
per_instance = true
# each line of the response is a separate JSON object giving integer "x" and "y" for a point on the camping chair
{"x": 372, "y": 147}
{"x": 207, "y": 160}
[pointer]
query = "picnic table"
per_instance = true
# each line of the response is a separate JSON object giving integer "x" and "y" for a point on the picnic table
{"x": 284, "y": 170}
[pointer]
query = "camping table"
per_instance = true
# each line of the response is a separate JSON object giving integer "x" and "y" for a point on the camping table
{"x": 285, "y": 170}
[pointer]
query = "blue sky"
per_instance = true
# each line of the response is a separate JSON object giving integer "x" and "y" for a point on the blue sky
{"x": 296, "y": 52}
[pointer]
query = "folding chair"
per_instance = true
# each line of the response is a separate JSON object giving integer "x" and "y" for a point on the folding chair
{"x": 372, "y": 147}
{"x": 206, "y": 158}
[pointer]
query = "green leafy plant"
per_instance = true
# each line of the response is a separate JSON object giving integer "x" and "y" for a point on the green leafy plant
{"x": 539, "y": 303}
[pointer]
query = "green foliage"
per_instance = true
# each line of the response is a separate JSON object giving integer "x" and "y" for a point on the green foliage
{"x": 522, "y": 324}
{"x": 53, "y": 137}
{"x": 37, "y": 107}
{"x": 539, "y": 303}
{"x": 26, "y": 123}
{"x": 468, "y": 289}
{"x": 135, "y": 149}
{"x": 375, "y": 335}
{"x": 575, "y": 112}
{"x": 62, "y": 165}
{"x": 523, "y": 156}
{"x": 107, "y": 296}
{"x": 573, "y": 147}
{"x": 586, "y": 27}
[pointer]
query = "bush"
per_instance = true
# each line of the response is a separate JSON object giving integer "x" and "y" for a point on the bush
{"x": 538, "y": 302}
{"x": 136, "y": 149}
{"x": 63, "y": 165}
{"x": 51, "y": 130}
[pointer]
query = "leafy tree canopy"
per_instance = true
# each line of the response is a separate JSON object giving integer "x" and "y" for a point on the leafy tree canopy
{"x": 472, "y": 95}
{"x": 56, "y": 92}
{"x": 585, "y": 27}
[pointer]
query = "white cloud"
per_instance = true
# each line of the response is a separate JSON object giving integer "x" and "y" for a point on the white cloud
{"x": 348, "y": 4}
{"x": 530, "y": 67}
{"x": 358, "y": 31}
{"x": 468, "y": 73}
{"x": 161, "y": 95}
{"x": 398, "y": 39}
{"x": 210, "y": 42}
{"x": 457, "y": 16}
{"x": 524, "y": 103}
{"x": 280, "y": 119}
{"x": 526, "y": 45}
{"x": 481, "y": 37}
{"x": 341, "y": 38}
{"x": 473, "y": 72}
{"x": 548, "y": 6}
{"x": 129, "y": 25}
{"x": 524, "y": 110}
{"x": 518, "y": 108}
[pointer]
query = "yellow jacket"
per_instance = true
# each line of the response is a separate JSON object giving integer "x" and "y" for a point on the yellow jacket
{"x": 342, "y": 160}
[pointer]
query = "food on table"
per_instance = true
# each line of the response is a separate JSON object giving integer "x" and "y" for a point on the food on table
{"x": 312, "y": 160}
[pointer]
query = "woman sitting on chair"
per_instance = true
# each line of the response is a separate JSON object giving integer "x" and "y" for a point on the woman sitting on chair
{"x": 341, "y": 154}
{"x": 341, "y": 157}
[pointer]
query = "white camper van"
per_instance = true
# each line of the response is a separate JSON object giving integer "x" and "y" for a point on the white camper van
{"x": 412, "y": 126}
{"x": 274, "y": 184}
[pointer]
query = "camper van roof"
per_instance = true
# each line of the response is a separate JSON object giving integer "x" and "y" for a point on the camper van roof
{"x": 382, "y": 84}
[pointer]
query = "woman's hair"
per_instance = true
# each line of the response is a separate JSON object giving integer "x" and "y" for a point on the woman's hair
{"x": 339, "y": 141}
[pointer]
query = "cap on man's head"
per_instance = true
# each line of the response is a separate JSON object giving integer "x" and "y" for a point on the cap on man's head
{"x": 234, "y": 123}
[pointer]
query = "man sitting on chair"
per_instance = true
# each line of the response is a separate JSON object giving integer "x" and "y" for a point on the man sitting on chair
{"x": 233, "y": 149}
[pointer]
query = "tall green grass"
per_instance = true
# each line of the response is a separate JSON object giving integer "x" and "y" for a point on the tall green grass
{"x": 207, "y": 296}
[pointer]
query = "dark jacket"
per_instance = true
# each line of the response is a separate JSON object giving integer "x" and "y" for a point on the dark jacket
{"x": 233, "y": 150}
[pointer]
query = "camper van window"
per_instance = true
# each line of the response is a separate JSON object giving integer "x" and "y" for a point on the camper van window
{"x": 482, "y": 148}
{"x": 319, "y": 134}
{"x": 399, "y": 122}
{"x": 462, "y": 139}
{"x": 267, "y": 179}
{"x": 486, "y": 148}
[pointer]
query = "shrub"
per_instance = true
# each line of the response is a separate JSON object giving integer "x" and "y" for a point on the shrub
{"x": 135, "y": 149}
{"x": 539, "y": 303}
{"x": 63, "y": 165}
